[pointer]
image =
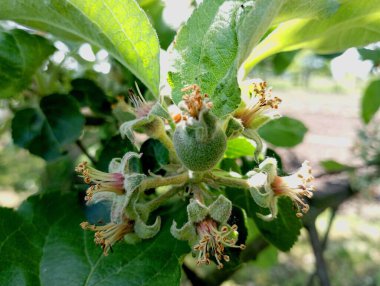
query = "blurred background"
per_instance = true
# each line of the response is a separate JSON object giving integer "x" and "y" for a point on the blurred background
{"x": 324, "y": 92}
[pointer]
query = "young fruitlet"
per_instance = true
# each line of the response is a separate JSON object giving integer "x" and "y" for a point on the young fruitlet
{"x": 198, "y": 139}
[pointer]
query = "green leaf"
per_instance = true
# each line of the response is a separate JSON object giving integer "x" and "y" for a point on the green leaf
{"x": 31, "y": 131}
{"x": 58, "y": 175}
{"x": 283, "y": 132}
{"x": 206, "y": 49}
{"x": 353, "y": 24}
{"x": 64, "y": 118}
{"x": 239, "y": 147}
{"x": 120, "y": 27}
{"x": 282, "y": 232}
{"x": 154, "y": 10}
{"x": 282, "y": 61}
{"x": 213, "y": 43}
{"x": 370, "y": 101}
{"x": 64, "y": 254}
{"x": 21, "y": 54}
{"x": 332, "y": 166}
{"x": 115, "y": 147}
{"x": 46, "y": 130}
{"x": 155, "y": 156}
{"x": 372, "y": 55}
{"x": 19, "y": 250}
{"x": 260, "y": 15}
{"x": 88, "y": 93}
{"x": 306, "y": 9}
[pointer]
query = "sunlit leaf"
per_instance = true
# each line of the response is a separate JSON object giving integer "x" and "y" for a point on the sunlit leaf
{"x": 239, "y": 147}
{"x": 355, "y": 23}
{"x": 120, "y": 27}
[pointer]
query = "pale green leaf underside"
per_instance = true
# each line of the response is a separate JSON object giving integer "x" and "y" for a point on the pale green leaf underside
{"x": 355, "y": 23}
{"x": 21, "y": 54}
{"x": 211, "y": 46}
{"x": 120, "y": 27}
{"x": 293, "y": 9}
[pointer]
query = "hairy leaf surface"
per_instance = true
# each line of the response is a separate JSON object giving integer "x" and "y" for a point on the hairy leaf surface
{"x": 209, "y": 49}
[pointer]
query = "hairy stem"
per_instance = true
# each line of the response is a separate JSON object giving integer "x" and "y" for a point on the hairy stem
{"x": 155, "y": 182}
{"x": 228, "y": 181}
{"x": 155, "y": 203}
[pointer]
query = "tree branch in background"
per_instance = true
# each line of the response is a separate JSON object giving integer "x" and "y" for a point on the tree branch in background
{"x": 84, "y": 151}
{"x": 321, "y": 267}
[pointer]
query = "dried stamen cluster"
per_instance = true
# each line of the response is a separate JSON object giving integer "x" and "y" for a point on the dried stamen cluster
{"x": 213, "y": 241}
{"x": 195, "y": 101}
{"x": 107, "y": 235}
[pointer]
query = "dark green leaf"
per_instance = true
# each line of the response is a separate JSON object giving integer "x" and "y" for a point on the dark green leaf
{"x": 239, "y": 147}
{"x": 44, "y": 131}
{"x": 19, "y": 250}
{"x": 228, "y": 165}
{"x": 109, "y": 24}
{"x": 282, "y": 61}
{"x": 116, "y": 147}
{"x": 88, "y": 93}
{"x": 332, "y": 166}
{"x": 371, "y": 101}
{"x": 58, "y": 175}
{"x": 282, "y": 232}
{"x": 66, "y": 255}
{"x": 63, "y": 116}
{"x": 283, "y": 132}
{"x": 21, "y": 54}
{"x": 372, "y": 55}
{"x": 31, "y": 131}
{"x": 155, "y": 155}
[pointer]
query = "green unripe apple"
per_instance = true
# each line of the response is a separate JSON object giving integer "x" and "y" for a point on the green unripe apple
{"x": 201, "y": 143}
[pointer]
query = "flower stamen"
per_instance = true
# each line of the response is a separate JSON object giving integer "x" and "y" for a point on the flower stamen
{"x": 296, "y": 187}
{"x": 260, "y": 103}
{"x": 107, "y": 235}
{"x": 195, "y": 101}
{"x": 213, "y": 242}
{"x": 100, "y": 181}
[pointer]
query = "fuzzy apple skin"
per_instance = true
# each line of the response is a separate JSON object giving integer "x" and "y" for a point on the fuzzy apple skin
{"x": 199, "y": 154}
